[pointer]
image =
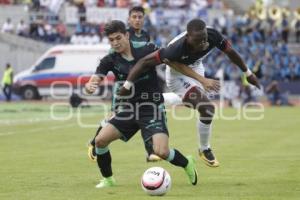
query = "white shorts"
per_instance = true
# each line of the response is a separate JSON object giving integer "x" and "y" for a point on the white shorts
{"x": 172, "y": 99}
{"x": 181, "y": 84}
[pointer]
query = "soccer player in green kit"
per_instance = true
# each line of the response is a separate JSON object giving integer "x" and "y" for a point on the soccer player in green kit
{"x": 143, "y": 110}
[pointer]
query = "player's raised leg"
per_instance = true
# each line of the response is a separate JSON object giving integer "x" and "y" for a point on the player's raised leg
{"x": 197, "y": 99}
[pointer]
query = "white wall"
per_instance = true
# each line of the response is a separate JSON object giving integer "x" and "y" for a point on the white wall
{"x": 20, "y": 52}
{"x": 16, "y": 13}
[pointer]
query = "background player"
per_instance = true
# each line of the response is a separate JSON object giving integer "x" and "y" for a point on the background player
{"x": 136, "y": 23}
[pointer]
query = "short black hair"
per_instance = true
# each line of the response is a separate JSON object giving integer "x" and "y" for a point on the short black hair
{"x": 195, "y": 25}
{"x": 114, "y": 26}
{"x": 137, "y": 9}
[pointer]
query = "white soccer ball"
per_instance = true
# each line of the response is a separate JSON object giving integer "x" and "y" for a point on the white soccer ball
{"x": 156, "y": 181}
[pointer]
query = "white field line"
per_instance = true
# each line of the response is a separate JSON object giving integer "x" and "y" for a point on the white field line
{"x": 24, "y": 121}
{"x": 40, "y": 129}
{"x": 39, "y": 119}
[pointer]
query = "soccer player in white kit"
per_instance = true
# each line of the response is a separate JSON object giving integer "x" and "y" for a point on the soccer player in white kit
{"x": 189, "y": 48}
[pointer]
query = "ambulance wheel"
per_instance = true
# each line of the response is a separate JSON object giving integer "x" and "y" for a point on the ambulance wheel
{"x": 30, "y": 93}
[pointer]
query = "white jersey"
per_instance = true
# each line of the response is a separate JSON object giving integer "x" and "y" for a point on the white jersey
{"x": 178, "y": 51}
{"x": 179, "y": 83}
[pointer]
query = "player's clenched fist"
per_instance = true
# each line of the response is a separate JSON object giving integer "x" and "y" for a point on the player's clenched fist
{"x": 92, "y": 85}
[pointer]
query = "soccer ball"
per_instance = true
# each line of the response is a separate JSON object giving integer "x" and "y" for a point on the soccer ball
{"x": 156, "y": 181}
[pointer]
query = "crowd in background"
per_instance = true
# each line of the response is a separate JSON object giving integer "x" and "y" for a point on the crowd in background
{"x": 41, "y": 4}
{"x": 44, "y": 25}
{"x": 262, "y": 44}
{"x": 263, "y": 47}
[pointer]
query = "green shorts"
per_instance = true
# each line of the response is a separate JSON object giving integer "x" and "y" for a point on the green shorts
{"x": 149, "y": 119}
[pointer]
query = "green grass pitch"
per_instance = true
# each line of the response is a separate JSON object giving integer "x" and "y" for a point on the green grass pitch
{"x": 46, "y": 159}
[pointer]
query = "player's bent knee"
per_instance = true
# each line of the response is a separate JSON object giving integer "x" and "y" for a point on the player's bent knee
{"x": 107, "y": 134}
{"x": 210, "y": 110}
{"x": 100, "y": 142}
{"x": 207, "y": 110}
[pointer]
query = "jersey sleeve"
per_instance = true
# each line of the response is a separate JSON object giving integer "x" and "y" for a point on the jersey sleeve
{"x": 152, "y": 47}
{"x": 105, "y": 65}
{"x": 171, "y": 53}
{"x": 220, "y": 42}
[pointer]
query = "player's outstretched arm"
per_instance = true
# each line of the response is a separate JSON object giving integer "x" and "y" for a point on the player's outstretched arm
{"x": 236, "y": 59}
{"x": 141, "y": 66}
{"x": 93, "y": 84}
{"x": 208, "y": 84}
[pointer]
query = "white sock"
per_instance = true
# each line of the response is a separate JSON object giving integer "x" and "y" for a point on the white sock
{"x": 204, "y": 132}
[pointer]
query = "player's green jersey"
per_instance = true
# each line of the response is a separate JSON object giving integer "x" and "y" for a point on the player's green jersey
{"x": 146, "y": 86}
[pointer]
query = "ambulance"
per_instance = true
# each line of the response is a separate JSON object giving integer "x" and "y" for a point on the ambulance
{"x": 62, "y": 70}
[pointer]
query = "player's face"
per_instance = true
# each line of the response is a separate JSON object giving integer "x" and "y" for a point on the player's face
{"x": 118, "y": 41}
{"x": 136, "y": 20}
{"x": 197, "y": 40}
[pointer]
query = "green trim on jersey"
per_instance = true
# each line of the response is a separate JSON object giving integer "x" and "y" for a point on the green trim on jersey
{"x": 136, "y": 44}
{"x": 163, "y": 109}
{"x": 111, "y": 51}
{"x": 115, "y": 89}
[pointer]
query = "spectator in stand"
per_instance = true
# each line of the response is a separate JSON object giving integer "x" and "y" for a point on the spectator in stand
{"x": 95, "y": 39}
{"x": 80, "y": 26}
{"x": 100, "y": 30}
{"x": 90, "y": 3}
{"x": 216, "y": 25}
{"x": 6, "y": 2}
{"x": 81, "y": 10}
{"x": 74, "y": 38}
{"x": 122, "y": 3}
{"x": 50, "y": 33}
{"x": 22, "y": 28}
{"x": 218, "y": 4}
{"x": 297, "y": 70}
{"x": 40, "y": 31}
{"x": 110, "y": 3}
{"x": 33, "y": 30}
{"x": 101, "y": 3}
{"x": 275, "y": 96}
{"x": 285, "y": 29}
{"x": 7, "y": 27}
{"x": 177, "y": 3}
{"x": 264, "y": 28}
{"x": 36, "y": 5}
{"x": 297, "y": 30}
{"x": 61, "y": 30}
